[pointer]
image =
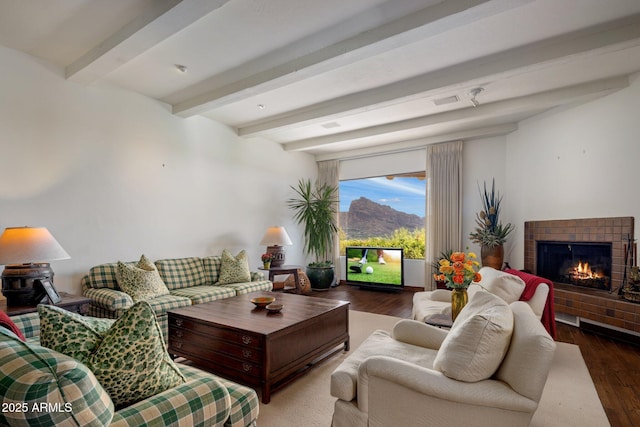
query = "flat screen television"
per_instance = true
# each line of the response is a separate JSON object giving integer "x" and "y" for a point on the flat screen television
{"x": 375, "y": 267}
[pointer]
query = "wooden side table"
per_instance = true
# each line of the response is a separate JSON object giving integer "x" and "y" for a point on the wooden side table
{"x": 73, "y": 303}
{"x": 439, "y": 320}
{"x": 283, "y": 270}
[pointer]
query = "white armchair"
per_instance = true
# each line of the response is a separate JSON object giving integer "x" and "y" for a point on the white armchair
{"x": 420, "y": 375}
{"x": 507, "y": 286}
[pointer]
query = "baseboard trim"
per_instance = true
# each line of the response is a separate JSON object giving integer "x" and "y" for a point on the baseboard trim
{"x": 609, "y": 331}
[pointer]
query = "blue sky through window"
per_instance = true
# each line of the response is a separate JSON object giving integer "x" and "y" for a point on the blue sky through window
{"x": 403, "y": 194}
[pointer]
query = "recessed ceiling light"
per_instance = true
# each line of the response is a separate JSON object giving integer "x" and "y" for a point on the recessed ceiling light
{"x": 181, "y": 68}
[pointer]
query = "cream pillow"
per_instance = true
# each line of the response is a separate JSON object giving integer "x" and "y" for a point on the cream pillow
{"x": 477, "y": 341}
{"x": 141, "y": 281}
{"x": 505, "y": 285}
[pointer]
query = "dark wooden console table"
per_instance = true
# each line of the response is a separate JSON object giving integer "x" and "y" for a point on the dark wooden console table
{"x": 74, "y": 303}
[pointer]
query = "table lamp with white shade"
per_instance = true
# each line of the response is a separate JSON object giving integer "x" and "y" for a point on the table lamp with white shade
{"x": 275, "y": 238}
{"x": 25, "y": 252}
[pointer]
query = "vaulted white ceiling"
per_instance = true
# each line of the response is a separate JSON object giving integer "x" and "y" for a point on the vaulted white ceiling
{"x": 339, "y": 78}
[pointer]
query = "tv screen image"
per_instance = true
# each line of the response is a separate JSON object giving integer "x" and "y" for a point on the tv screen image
{"x": 375, "y": 267}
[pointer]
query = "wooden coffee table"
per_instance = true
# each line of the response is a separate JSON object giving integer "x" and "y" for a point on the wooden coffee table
{"x": 234, "y": 339}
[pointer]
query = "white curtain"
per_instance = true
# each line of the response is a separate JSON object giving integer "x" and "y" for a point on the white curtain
{"x": 444, "y": 203}
{"x": 329, "y": 174}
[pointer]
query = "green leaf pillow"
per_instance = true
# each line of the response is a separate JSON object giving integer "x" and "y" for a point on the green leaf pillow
{"x": 234, "y": 269}
{"x": 129, "y": 359}
{"x": 70, "y": 333}
{"x": 132, "y": 362}
{"x": 141, "y": 281}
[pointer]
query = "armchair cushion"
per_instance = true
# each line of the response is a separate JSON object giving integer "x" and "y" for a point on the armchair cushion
{"x": 109, "y": 299}
{"x": 505, "y": 285}
{"x": 478, "y": 339}
{"x": 344, "y": 380}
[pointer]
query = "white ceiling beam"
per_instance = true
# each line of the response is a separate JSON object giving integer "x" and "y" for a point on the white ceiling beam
{"x": 521, "y": 104}
{"x": 396, "y": 147}
{"x": 427, "y": 22}
{"x": 592, "y": 41}
{"x": 161, "y": 19}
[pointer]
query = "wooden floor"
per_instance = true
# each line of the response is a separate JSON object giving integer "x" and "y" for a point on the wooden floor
{"x": 614, "y": 365}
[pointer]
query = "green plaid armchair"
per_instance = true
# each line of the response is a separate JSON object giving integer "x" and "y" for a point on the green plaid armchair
{"x": 189, "y": 280}
{"x": 67, "y": 393}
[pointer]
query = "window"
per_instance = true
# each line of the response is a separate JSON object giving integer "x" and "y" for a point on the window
{"x": 385, "y": 211}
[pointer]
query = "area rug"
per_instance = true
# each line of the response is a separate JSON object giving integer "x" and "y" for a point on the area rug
{"x": 569, "y": 398}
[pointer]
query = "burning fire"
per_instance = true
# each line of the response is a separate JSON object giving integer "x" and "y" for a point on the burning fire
{"x": 583, "y": 272}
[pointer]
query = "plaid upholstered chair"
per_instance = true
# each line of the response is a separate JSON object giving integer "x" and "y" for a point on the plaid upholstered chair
{"x": 54, "y": 389}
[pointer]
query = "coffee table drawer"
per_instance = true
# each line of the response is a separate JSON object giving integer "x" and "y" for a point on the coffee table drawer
{"x": 245, "y": 339}
{"x": 189, "y": 342}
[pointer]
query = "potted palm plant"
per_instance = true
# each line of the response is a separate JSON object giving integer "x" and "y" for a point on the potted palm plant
{"x": 314, "y": 208}
{"x": 490, "y": 233}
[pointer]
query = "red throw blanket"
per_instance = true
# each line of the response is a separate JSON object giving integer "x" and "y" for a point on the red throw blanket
{"x": 531, "y": 284}
{"x": 6, "y": 322}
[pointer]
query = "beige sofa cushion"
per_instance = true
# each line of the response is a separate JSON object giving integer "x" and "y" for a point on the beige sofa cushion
{"x": 505, "y": 285}
{"x": 478, "y": 339}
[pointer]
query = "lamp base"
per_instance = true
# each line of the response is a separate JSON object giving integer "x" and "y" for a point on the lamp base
{"x": 18, "y": 283}
{"x": 277, "y": 255}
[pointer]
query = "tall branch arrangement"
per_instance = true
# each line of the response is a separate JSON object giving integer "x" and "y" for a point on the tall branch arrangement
{"x": 490, "y": 231}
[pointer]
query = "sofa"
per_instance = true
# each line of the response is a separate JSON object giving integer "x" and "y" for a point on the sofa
{"x": 189, "y": 281}
{"x": 39, "y": 386}
{"x": 510, "y": 285}
{"x": 488, "y": 370}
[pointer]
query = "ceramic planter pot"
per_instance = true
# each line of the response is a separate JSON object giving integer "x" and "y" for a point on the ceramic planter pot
{"x": 321, "y": 278}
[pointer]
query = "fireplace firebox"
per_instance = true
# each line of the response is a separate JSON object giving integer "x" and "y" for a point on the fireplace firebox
{"x": 577, "y": 263}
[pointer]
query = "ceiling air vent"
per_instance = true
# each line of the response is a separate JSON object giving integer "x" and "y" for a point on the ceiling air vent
{"x": 447, "y": 100}
{"x": 331, "y": 125}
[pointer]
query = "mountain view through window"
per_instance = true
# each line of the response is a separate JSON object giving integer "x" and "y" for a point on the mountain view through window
{"x": 386, "y": 211}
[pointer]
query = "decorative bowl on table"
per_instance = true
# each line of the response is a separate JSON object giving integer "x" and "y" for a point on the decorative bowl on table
{"x": 274, "y": 307}
{"x": 262, "y": 302}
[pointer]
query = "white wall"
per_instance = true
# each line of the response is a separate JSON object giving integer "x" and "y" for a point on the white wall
{"x": 483, "y": 161}
{"x": 113, "y": 174}
{"x": 579, "y": 162}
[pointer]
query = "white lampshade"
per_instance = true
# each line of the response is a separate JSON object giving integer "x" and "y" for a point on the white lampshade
{"x": 276, "y": 236}
{"x": 24, "y": 245}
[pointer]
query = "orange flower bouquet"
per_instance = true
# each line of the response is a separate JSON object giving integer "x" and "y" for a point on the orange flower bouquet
{"x": 459, "y": 270}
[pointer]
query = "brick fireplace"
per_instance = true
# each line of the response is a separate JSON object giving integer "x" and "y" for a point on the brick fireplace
{"x": 603, "y": 306}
